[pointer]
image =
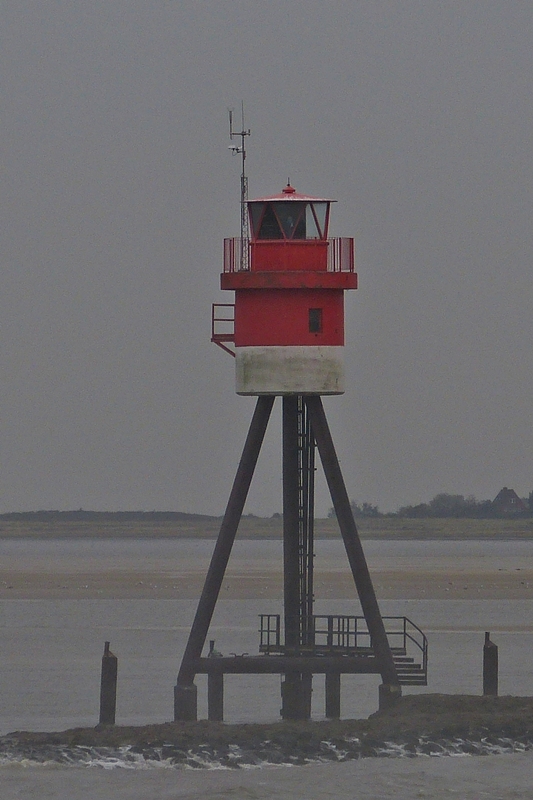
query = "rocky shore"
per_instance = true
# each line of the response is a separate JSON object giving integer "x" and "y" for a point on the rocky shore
{"x": 416, "y": 725}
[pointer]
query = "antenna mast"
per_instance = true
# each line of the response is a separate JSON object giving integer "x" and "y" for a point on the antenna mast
{"x": 236, "y": 150}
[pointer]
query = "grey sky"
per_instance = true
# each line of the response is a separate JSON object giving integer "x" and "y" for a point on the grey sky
{"x": 118, "y": 189}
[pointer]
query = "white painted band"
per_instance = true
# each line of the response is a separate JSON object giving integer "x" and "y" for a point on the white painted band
{"x": 289, "y": 370}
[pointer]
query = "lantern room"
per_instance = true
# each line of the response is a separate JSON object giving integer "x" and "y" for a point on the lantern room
{"x": 289, "y": 231}
{"x": 289, "y": 216}
{"x": 289, "y": 281}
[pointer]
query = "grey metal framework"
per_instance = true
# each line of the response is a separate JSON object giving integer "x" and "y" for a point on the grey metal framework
{"x": 302, "y": 654}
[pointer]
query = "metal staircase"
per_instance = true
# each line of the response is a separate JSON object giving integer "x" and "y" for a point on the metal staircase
{"x": 348, "y": 636}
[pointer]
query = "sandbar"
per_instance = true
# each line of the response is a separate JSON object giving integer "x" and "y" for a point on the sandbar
{"x": 173, "y": 584}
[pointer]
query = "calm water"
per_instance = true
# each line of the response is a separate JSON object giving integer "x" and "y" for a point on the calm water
{"x": 483, "y": 778}
{"x": 50, "y": 662}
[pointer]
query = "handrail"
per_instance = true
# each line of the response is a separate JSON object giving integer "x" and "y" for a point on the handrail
{"x": 340, "y": 252}
{"x": 233, "y": 248}
{"x": 223, "y": 325}
{"x": 421, "y": 645}
{"x": 347, "y": 633}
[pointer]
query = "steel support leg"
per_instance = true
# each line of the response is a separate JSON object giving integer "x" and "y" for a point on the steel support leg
{"x": 221, "y": 554}
{"x": 352, "y": 542}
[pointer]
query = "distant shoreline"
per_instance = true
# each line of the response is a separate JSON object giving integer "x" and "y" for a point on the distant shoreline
{"x": 174, "y": 524}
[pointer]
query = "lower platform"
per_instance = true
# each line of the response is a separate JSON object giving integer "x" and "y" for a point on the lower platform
{"x": 274, "y": 665}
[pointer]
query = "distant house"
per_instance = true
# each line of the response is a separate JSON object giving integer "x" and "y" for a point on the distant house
{"x": 508, "y": 502}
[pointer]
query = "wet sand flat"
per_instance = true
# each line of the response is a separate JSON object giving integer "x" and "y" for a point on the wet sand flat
{"x": 171, "y": 583}
{"x": 174, "y": 568}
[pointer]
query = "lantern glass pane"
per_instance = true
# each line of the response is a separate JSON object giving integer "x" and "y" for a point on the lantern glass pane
{"x": 292, "y": 218}
{"x": 320, "y": 212}
{"x": 310, "y": 224}
{"x": 269, "y": 228}
{"x": 256, "y": 210}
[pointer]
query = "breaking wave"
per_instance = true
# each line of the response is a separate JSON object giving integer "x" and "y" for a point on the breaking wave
{"x": 268, "y": 753}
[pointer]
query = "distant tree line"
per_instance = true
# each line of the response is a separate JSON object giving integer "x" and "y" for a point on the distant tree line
{"x": 445, "y": 505}
{"x": 361, "y": 510}
{"x": 457, "y": 505}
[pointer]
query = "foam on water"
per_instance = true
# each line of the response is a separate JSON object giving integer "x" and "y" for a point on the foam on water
{"x": 267, "y": 754}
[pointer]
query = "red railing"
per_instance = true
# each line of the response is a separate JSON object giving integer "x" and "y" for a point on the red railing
{"x": 233, "y": 259}
{"x": 341, "y": 254}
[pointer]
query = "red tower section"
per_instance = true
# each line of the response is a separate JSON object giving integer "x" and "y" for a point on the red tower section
{"x": 289, "y": 298}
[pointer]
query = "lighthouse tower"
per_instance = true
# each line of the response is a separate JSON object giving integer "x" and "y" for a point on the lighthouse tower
{"x": 286, "y": 331}
{"x": 289, "y": 300}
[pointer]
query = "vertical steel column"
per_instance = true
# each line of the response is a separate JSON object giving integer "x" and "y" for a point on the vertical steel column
{"x": 226, "y": 537}
{"x": 306, "y": 521}
{"x": 295, "y": 691}
{"x": 307, "y": 694}
{"x": 291, "y": 554}
{"x": 306, "y": 502}
{"x": 352, "y": 542}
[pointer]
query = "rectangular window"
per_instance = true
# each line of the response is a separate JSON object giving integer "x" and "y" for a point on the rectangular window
{"x": 315, "y": 320}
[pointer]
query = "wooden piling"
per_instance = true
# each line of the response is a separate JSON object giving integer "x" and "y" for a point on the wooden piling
{"x": 490, "y": 667}
{"x": 108, "y": 687}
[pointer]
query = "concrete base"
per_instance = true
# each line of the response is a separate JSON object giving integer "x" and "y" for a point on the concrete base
{"x": 388, "y": 695}
{"x": 296, "y": 697}
{"x": 289, "y": 370}
{"x": 333, "y": 695}
{"x": 185, "y": 703}
{"x": 215, "y": 697}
